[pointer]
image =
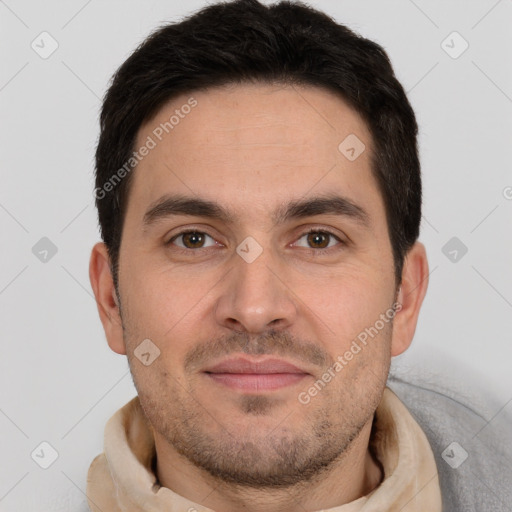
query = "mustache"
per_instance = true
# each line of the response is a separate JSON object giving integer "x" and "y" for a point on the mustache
{"x": 271, "y": 342}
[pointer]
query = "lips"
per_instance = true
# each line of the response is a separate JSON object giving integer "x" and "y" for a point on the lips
{"x": 249, "y": 375}
{"x": 242, "y": 365}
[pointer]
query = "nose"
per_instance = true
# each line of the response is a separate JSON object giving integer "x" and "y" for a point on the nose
{"x": 256, "y": 297}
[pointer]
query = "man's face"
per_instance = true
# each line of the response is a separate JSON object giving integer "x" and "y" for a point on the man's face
{"x": 257, "y": 284}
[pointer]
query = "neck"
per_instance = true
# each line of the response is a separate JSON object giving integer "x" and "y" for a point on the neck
{"x": 347, "y": 479}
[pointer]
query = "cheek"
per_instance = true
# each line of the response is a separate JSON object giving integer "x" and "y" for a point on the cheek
{"x": 173, "y": 310}
{"x": 160, "y": 300}
{"x": 347, "y": 301}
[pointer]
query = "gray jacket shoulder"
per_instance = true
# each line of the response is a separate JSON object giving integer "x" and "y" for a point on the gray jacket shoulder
{"x": 471, "y": 437}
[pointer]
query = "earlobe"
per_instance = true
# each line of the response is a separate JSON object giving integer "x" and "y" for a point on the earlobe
{"x": 102, "y": 284}
{"x": 410, "y": 297}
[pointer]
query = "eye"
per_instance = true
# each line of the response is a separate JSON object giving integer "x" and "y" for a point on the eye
{"x": 191, "y": 240}
{"x": 319, "y": 239}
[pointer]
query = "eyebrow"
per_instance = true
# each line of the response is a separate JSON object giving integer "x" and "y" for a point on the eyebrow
{"x": 172, "y": 205}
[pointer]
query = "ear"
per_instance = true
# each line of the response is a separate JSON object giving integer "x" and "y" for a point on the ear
{"x": 102, "y": 284}
{"x": 412, "y": 292}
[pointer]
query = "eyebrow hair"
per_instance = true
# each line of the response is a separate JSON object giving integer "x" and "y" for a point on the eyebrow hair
{"x": 170, "y": 205}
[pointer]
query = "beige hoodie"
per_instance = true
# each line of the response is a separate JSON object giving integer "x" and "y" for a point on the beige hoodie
{"x": 121, "y": 479}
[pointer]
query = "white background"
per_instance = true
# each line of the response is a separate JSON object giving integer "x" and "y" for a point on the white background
{"x": 60, "y": 382}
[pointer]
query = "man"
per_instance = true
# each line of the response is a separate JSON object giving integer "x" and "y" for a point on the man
{"x": 259, "y": 198}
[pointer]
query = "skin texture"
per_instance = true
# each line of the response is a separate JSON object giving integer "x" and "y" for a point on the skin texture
{"x": 253, "y": 148}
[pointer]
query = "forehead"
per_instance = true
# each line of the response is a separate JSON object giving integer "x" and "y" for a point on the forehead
{"x": 251, "y": 145}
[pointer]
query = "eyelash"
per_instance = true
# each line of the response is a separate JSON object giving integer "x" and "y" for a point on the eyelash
{"x": 315, "y": 252}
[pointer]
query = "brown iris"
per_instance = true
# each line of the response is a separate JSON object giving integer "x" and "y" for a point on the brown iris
{"x": 318, "y": 239}
{"x": 193, "y": 240}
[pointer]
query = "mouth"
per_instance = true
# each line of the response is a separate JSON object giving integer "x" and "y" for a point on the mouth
{"x": 248, "y": 375}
